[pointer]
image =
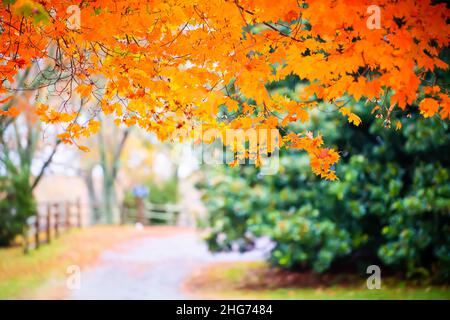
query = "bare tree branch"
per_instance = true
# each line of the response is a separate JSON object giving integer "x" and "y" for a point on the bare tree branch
{"x": 46, "y": 164}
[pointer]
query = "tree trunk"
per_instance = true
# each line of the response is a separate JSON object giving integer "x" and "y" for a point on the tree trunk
{"x": 95, "y": 216}
{"x": 109, "y": 204}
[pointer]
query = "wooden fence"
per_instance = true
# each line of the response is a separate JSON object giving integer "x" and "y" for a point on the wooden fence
{"x": 149, "y": 213}
{"x": 52, "y": 219}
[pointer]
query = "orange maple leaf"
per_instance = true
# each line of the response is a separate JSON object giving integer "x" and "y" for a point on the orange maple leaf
{"x": 428, "y": 107}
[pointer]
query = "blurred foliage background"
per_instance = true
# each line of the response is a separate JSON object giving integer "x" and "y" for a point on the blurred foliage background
{"x": 391, "y": 206}
{"x": 158, "y": 192}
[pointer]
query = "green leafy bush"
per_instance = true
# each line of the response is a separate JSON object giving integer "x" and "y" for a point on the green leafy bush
{"x": 391, "y": 206}
{"x": 16, "y": 205}
{"x": 163, "y": 192}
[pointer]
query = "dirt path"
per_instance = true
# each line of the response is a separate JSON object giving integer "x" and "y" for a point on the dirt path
{"x": 150, "y": 267}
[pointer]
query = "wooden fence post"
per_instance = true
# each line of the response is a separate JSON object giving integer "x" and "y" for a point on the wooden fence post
{"x": 79, "y": 213}
{"x": 68, "y": 204}
{"x": 26, "y": 248}
{"x": 49, "y": 221}
{"x": 122, "y": 213}
{"x": 140, "y": 207}
{"x": 56, "y": 220}
{"x": 37, "y": 227}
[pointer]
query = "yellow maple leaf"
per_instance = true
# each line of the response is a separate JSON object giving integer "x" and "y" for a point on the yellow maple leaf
{"x": 93, "y": 126}
{"x": 84, "y": 148}
{"x": 65, "y": 137}
{"x": 84, "y": 90}
{"x": 352, "y": 118}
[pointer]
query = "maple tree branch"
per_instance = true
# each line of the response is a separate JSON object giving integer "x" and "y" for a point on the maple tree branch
{"x": 175, "y": 38}
{"x": 242, "y": 9}
{"x": 281, "y": 32}
{"x": 46, "y": 164}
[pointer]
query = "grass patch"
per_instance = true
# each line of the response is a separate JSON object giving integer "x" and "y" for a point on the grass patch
{"x": 256, "y": 280}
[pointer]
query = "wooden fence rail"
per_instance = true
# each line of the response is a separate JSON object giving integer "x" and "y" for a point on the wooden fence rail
{"x": 50, "y": 221}
{"x": 149, "y": 213}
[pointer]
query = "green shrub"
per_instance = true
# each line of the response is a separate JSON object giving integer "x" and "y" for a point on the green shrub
{"x": 16, "y": 205}
{"x": 163, "y": 193}
{"x": 158, "y": 193}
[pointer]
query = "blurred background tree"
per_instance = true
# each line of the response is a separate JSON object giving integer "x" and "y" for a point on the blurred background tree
{"x": 106, "y": 151}
{"x": 161, "y": 182}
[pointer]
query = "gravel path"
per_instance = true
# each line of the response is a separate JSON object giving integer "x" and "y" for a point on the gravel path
{"x": 150, "y": 267}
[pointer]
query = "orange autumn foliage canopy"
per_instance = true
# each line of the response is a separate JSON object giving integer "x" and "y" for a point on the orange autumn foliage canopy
{"x": 171, "y": 65}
